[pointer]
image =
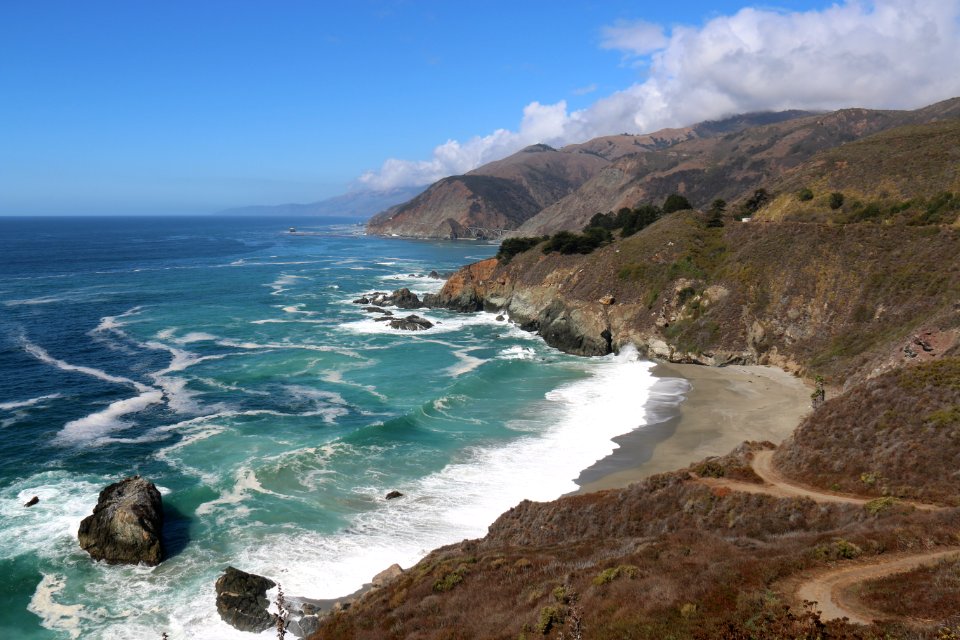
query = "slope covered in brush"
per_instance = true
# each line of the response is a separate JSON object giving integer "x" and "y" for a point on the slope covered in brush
{"x": 729, "y": 164}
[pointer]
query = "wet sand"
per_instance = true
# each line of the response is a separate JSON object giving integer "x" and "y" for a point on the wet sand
{"x": 723, "y": 407}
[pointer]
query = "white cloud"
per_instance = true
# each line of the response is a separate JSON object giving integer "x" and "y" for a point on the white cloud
{"x": 881, "y": 54}
{"x": 637, "y": 37}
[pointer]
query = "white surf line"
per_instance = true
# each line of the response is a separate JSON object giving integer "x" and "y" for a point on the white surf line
{"x": 110, "y": 323}
{"x": 98, "y": 423}
{"x": 41, "y": 354}
{"x": 22, "y": 404}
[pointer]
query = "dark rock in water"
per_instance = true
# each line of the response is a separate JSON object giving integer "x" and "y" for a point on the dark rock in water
{"x": 434, "y": 275}
{"x": 393, "y": 494}
{"x": 32, "y": 501}
{"x": 309, "y": 625}
{"x": 126, "y": 524}
{"x": 404, "y": 299}
{"x": 242, "y": 600}
{"x": 378, "y": 310}
{"x": 384, "y": 318}
{"x": 500, "y": 318}
{"x": 410, "y": 323}
{"x": 362, "y": 300}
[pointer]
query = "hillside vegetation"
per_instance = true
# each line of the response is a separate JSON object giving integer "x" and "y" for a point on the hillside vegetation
{"x": 728, "y": 163}
{"x": 617, "y": 564}
{"x": 897, "y": 435}
{"x": 909, "y": 175}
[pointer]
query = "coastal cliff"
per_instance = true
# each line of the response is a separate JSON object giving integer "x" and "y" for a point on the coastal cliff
{"x": 846, "y": 302}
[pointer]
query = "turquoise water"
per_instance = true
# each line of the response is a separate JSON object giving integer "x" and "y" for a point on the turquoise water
{"x": 223, "y": 360}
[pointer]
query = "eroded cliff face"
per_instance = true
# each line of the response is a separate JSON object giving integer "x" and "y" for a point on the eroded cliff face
{"x": 846, "y": 302}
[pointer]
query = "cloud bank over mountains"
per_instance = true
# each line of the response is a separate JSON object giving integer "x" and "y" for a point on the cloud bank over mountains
{"x": 880, "y": 54}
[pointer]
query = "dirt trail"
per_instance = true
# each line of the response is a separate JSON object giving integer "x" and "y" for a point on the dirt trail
{"x": 831, "y": 590}
{"x": 781, "y": 487}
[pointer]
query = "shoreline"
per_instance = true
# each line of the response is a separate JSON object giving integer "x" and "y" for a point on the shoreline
{"x": 720, "y": 408}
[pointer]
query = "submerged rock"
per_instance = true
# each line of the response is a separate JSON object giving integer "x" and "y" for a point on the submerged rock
{"x": 32, "y": 501}
{"x": 410, "y": 323}
{"x": 242, "y": 600}
{"x": 393, "y": 494}
{"x": 125, "y": 525}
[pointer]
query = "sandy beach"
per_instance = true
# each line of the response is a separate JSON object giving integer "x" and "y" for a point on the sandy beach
{"x": 723, "y": 407}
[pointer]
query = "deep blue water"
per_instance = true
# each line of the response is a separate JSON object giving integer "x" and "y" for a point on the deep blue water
{"x": 223, "y": 359}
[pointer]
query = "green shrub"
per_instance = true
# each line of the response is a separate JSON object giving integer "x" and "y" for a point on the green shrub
{"x": 755, "y": 202}
{"x": 609, "y": 575}
{"x": 513, "y": 246}
{"x": 568, "y": 243}
{"x": 880, "y": 505}
{"x": 549, "y": 618}
{"x": 805, "y": 195}
{"x": 847, "y": 550}
{"x": 710, "y": 469}
{"x": 836, "y": 200}
{"x": 675, "y": 202}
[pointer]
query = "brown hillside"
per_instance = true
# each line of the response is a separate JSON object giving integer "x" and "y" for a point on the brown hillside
{"x": 499, "y": 195}
{"x": 897, "y": 172}
{"x": 897, "y": 435}
{"x": 505, "y": 193}
{"x": 617, "y": 564}
{"x": 724, "y": 166}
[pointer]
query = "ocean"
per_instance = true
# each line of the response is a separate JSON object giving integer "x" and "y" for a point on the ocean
{"x": 224, "y": 360}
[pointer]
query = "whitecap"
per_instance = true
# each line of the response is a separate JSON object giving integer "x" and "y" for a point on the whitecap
{"x": 41, "y": 354}
{"x": 105, "y": 421}
{"x": 245, "y": 482}
{"x": 20, "y": 404}
{"x": 516, "y": 352}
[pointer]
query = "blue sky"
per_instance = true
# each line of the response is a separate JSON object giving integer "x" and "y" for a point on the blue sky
{"x": 189, "y": 107}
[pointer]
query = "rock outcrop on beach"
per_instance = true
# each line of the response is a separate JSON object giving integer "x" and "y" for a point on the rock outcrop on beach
{"x": 242, "y": 600}
{"x": 126, "y": 524}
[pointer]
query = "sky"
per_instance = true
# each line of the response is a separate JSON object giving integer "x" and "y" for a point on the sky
{"x": 185, "y": 107}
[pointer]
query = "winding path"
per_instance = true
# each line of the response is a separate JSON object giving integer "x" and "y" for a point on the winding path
{"x": 831, "y": 589}
{"x": 781, "y": 487}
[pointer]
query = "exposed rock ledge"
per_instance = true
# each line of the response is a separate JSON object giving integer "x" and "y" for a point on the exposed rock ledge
{"x": 579, "y": 327}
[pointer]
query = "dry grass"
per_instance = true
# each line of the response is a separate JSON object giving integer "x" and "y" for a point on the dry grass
{"x": 896, "y": 435}
{"x": 929, "y": 593}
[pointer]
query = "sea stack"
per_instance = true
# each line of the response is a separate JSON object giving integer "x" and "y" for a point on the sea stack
{"x": 242, "y": 600}
{"x": 125, "y": 525}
